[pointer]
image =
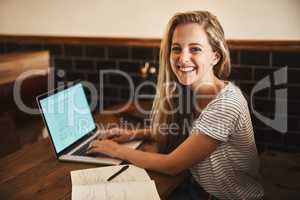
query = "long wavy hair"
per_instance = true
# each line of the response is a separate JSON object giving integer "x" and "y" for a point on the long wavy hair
{"x": 165, "y": 106}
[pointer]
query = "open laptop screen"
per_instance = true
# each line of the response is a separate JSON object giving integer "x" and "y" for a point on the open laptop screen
{"x": 68, "y": 116}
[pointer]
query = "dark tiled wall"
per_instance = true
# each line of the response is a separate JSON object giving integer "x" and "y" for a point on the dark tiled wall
{"x": 248, "y": 67}
{"x": 251, "y": 66}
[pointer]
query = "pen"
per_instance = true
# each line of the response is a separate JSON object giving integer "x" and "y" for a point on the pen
{"x": 118, "y": 172}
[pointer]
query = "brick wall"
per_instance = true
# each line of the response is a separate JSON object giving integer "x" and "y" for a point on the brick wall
{"x": 83, "y": 61}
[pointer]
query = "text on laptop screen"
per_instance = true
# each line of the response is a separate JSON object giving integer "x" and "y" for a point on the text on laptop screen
{"x": 68, "y": 116}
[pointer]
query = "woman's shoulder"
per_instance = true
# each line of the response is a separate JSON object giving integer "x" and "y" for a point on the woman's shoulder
{"x": 229, "y": 97}
{"x": 230, "y": 91}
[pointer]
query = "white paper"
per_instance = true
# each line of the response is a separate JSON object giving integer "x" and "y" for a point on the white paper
{"x": 133, "y": 183}
{"x": 116, "y": 191}
{"x": 101, "y": 174}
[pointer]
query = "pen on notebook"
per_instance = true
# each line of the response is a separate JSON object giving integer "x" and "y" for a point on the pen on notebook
{"x": 118, "y": 172}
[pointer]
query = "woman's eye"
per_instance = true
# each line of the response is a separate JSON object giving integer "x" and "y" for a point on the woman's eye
{"x": 176, "y": 49}
{"x": 195, "y": 49}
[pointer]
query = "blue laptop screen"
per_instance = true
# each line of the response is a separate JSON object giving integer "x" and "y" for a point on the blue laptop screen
{"x": 68, "y": 116}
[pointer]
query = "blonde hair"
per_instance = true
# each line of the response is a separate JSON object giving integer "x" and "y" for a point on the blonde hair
{"x": 163, "y": 98}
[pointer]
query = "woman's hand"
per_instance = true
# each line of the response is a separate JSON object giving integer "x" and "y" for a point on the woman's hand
{"x": 119, "y": 135}
{"x": 107, "y": 147}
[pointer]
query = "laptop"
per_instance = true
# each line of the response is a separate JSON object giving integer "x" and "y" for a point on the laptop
{"x": 71, "y": 126}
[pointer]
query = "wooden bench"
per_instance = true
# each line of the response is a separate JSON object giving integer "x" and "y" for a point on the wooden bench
{"x": 12, "y": 67}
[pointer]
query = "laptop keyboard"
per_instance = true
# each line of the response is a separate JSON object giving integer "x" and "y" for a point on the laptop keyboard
{"x": 82, "y": 150}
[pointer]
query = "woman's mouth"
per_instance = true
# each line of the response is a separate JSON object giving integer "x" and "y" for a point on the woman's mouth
{"x": 186, "y": 69}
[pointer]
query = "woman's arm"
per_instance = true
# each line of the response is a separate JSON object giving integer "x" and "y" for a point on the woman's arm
{"x": 193, "y": 150}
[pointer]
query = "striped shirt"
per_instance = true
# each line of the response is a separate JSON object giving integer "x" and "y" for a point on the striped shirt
{"x": 231, "y": 171}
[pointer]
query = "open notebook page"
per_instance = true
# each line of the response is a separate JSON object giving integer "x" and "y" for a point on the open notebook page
{"x": 116, "y": 191}
{"x": 101, "y": 174}
{"x": 133, "y": 183}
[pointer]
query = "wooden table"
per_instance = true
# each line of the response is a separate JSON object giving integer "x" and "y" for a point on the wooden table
{"x": 34, "y": 173}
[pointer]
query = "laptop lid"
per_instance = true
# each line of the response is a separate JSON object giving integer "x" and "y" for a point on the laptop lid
{"x": 67, "y": 116}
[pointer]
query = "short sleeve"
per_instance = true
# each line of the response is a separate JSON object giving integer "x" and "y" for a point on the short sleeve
{"x": 219, "y": 119}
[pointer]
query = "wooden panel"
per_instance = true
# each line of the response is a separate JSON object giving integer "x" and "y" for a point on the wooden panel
{"x": 272, "y": 45}
{"x": 263, "y": 45}
{"x": 14, "y": 64}
{"x": 147, "y": 42}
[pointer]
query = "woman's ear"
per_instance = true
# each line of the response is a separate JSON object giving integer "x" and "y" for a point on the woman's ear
{"x": 216, "y": 58}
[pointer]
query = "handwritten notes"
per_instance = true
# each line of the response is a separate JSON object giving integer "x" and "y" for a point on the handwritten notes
{"x": 132, "y": 184}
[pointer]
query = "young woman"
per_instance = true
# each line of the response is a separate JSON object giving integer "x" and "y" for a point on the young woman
{"x": 219, "y": 148}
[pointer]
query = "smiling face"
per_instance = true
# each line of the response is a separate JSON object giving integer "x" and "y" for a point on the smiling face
{"x": 192, "y": 58}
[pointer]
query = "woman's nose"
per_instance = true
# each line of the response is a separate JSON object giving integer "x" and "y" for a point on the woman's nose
{"x": 184, "y": 57}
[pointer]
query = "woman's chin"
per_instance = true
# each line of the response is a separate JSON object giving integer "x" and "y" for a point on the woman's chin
{"x": 186, "y": 82}
{"x": 186, "y": 79}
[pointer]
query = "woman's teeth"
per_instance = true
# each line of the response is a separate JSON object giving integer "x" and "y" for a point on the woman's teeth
{"x": 186, "y": 69}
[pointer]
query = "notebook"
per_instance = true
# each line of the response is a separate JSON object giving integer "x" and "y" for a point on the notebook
{"x": 71, "y": 126}
{"x": 132, "y": 184}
